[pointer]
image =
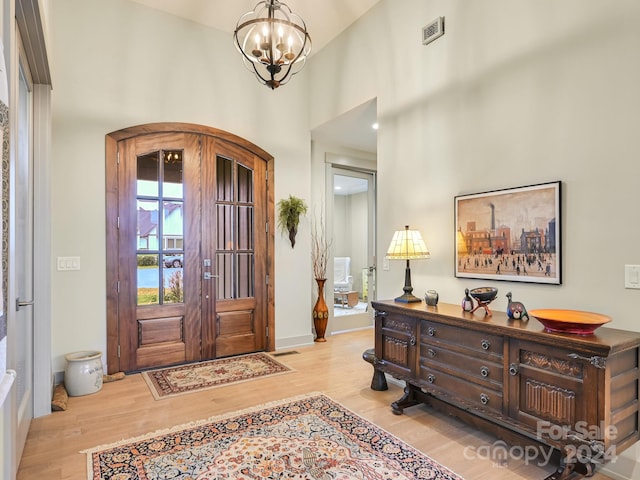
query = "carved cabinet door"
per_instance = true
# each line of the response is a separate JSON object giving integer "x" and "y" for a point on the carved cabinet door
{"x": 548, "y": 388}
{"x": 396, "y": 344}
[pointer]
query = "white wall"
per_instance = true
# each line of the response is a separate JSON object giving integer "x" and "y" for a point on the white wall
{"x": 515, "y": 93}
{"x": 118, "y": 64}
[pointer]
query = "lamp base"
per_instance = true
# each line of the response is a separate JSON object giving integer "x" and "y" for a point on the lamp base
{"x": 408, "y": 298}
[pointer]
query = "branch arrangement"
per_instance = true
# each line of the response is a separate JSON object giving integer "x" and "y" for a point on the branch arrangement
{"x": 320, "y": 248}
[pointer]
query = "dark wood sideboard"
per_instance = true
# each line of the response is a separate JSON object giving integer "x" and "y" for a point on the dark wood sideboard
{"x": 577, "y": 394}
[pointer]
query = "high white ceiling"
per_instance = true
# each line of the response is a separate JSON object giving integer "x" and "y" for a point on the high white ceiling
{"x": 325, "y": 20}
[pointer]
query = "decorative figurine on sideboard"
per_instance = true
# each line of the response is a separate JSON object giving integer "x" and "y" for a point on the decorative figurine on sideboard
{"x": 431, "y": 298}
{"x": 484, "y": 296}
{"x": 516, "y": 310}
{"x": 467, "y": 301}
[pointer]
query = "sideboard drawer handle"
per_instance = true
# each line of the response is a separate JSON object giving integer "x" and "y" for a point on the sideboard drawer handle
{"x": 486, "y": 344}
{"x": 431, "y": 352}
{"x": 431, "y": 378}
{"x": 412, "y": 340}
{"x": 484, "y": 371}
{"x": 513, "y": 369}
{"x": 484, "y": 398}
{"x": 431, "y": 331}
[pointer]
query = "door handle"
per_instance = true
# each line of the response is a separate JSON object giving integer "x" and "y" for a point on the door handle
{"x": 209, "y": 275}
{"x": 23, "y": 303}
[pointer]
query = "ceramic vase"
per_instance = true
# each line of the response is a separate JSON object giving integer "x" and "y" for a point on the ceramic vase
{"x": 83, "y": 373}
{"x": 320, "y": 312}
{"x": 431, "y": 298}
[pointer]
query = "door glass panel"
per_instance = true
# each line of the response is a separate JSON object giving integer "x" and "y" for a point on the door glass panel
{"x": 172, "y": 183}
{"x": 245, "y": 228}
{"x": 173, "y": 288}
{"x": 235, "y": 230}
{"x": 225, "y": 275}
{"x": 172, "y": 228}
{"x": 224, "y": 175}
{"x": 245, "y": 275}
{"x": 172, "y": 261}
{"x": 147, "y": 233}
{"x": 159, "y": 190}
{"x": 148, "y": 285}
{"x": 148, "y": 172}
{"x": 224, "y": 232}
{"x": 245, "y": 184}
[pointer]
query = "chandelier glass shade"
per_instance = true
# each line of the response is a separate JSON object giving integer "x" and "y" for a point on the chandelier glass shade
{"x": 273, "y": 41}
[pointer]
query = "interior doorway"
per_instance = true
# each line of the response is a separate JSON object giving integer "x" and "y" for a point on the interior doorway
{"x": 20, "y": 326}
{"x": 190, "y": 250}
{"x": 353, "y": 198}
{"x": 347, "y": 147}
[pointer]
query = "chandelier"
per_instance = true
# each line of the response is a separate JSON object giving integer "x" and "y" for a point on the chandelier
{"x": 274, "y": 42}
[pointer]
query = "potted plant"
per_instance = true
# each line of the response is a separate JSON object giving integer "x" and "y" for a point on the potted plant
{"x": 289, "y": 212}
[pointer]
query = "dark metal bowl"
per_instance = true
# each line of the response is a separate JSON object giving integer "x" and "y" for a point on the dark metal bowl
{"x": 484, "y": 294}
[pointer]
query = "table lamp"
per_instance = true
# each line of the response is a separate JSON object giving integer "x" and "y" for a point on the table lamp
{"x": 407, "y": 245}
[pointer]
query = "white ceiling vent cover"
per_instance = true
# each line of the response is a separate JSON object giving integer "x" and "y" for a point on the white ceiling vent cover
{"x": 433, "y": 30}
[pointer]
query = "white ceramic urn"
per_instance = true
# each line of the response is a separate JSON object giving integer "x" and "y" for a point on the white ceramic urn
{"x": 83, "y": 373}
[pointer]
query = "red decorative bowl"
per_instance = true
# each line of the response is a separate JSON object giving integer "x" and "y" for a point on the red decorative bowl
{"x": 569, "y": 321}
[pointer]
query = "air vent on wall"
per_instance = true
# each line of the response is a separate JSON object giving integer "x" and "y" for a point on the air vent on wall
{"x": 433, "y": 30}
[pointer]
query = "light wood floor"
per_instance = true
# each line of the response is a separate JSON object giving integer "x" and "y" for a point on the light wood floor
{"x": 126, "y": 408}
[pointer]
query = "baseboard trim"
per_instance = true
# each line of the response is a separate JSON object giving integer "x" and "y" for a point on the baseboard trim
{"x": 292, "y": 342}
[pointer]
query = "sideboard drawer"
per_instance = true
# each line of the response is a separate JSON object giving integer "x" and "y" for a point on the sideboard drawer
{"x": 434, "y": 332}
{"x": 478, "y": 370}
{"x": 459, "y": 390}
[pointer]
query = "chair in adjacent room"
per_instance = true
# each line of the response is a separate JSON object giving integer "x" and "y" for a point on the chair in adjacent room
{"x": 342, "y": 279}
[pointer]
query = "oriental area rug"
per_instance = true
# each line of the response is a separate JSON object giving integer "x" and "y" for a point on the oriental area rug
{"x": 167, "y": 382}
{"x": 307, "y": 437}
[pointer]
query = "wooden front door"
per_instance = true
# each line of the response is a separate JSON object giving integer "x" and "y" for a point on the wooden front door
{"x": 233, "y": 242}
{"x": 188, "y": 247}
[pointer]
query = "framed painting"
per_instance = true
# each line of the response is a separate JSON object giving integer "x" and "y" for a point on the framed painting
{"x": 511, "y": 234}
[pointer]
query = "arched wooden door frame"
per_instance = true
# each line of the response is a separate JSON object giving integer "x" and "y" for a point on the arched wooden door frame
{"x": 112, "y": 256}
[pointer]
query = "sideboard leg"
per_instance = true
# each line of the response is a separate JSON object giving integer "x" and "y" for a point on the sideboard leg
{"x": 590, "y": 469}
{"x": 571, "y": 468}
{"x": 379, "y": 381}
{"x": 563, "y": 472}
{"x": 407, "y": 400}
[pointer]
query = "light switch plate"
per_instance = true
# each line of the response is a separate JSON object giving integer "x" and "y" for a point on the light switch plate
{"x": 632, "y": 276}
{"x": 68, "y": 263}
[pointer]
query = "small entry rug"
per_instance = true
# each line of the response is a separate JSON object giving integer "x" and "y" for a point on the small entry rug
{"x": 167, "y": 382}
{"x": 309, "y": 437}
